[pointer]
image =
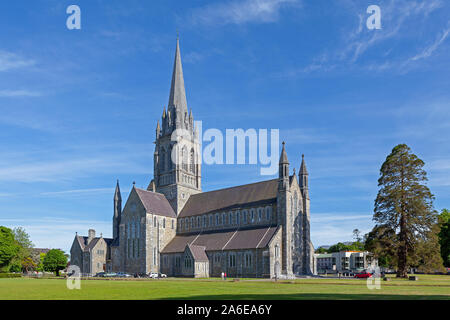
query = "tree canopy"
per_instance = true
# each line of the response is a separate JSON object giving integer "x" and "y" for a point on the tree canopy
{"x": 405, "y": 229}
{"x": 444, "y": 236}
{"x": 8, "y": 248}
{"x": 55, "y": 260}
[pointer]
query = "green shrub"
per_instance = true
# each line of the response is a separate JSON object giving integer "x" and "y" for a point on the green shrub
{"x": 10, "y": 275}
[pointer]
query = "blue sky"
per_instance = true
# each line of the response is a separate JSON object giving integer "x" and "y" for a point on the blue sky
{"x": 78, "y": 108}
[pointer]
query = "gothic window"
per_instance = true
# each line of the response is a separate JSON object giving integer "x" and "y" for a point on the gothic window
{"x": 128, "y": 231}
{"x": 268, "y": 213}
{"x": 163, "y": 160}
{"x": 192, "y": 222}
{"x": 252, "y": 215}
{"x": 204, "y": 221}
{"x": 133, "y": 228}
{"x": 238, "y": 217}
{"x": 259, "y": 214}
{"x": 217, "y": 219}
{"x": 230, "y": 218}
{"x": 169, "y": 158}
{"x": 172, "y": 224}
{"x": 248, "y": 259}
{"x": 198, "y": 222}
{"x": 211, "y": 221}
{"x": 245, "y": 216}
{"x": 191, "y": 162}
{"x": 277, "y": 251}
{"x": 224, "y": 218}
{"x": 138, "y": 231}
{"x": 154, "y": 221}
{"x": 164, "y": 223}
{"x": 232, "y": 260}
{"x": 184, "y": 157}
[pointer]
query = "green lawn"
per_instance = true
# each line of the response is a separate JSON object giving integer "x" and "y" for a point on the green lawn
{"x": 428, "y": 287}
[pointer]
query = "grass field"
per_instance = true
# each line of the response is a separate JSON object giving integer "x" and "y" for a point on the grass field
{"x": 428, "y": 287}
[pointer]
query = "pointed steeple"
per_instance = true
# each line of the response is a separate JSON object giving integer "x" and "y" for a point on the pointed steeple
{"x": 177, "y": 98}
{"x": 303, "y": 169}
{"x": 283, "y": 157}
{"x": 303, "y": 176}
{"x": 158, "y": 130}
{"x": 117, "y": 195}
{"x": 117, "y": 211}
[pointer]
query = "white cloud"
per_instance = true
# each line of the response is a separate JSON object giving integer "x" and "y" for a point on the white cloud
{"x": 19, "y": 93}
{"x": 54, "y": 232}
{"x": 9, "y": 61}
{"x": 427, "y": 52}
{"x": 240, "y": 12}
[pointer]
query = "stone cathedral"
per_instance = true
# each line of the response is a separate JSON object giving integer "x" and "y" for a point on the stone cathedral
{"x": 254, "y": 230}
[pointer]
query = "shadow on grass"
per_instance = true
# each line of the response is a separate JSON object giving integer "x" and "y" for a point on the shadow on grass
{"x": 312, "y": 296}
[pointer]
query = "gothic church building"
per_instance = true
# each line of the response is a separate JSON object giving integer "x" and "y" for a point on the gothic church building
{"x": 255, "y": 230}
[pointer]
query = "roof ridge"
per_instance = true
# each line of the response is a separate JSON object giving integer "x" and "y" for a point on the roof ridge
{"x": 241, "y": 185}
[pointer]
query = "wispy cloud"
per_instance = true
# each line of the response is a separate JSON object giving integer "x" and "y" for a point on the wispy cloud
{"x": 9, "y": 61}
{"x": 55, "y": 232}
{"x": 92, "y": 191}
{"x": 19, "y": 93}
{"x": 427, "y": 52}
{"x": 240, "y": 12}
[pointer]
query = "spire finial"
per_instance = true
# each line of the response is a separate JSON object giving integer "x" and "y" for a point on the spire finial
{"x": 178, "y": 34}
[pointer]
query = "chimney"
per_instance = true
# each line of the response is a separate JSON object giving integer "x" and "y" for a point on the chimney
{"x": 91, "y": 235}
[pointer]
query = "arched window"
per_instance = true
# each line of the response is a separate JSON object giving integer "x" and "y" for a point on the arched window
{"x": 169, "y": 158}
{"x": 259, "y": 214}
{"x": 211, "y": 221}
{"x": 230, "y": 218}
{"x": 133, "y": 229}
{"x": 162, "y": 164}
{"x": 184, "y": 157}
{"x": 154, "y": 221}
{"x": 238, "y": 217}
{"x": 198, "y": 222}
{"x": 252, "y": 215}
{"x": 204, "y": 221}
{"x": 164, "y": 223}
{"x": 217, "y": 219}
{"x": 224, "y": 218}
{"x": 138, "y": 229}
{"x": 244, "y": 213}
{"x": 277, "y": 251}
{"x": 268, "y": 213}
{"x": 192, "y": 162}
{"x": 192, "y": 222}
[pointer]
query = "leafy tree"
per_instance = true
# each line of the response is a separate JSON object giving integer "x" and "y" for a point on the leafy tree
{"x": 444, "y": 236}
{"x": 357, "y": 235}
{"x": 55, "y": 260}
{"x": 355, "y": 246}
{"x": 28, "y": 264}
{"x": 403, "y": 212}
{"x": 8, "y": 248}
{"x": 25, "y": 247}
{"x": 321, "y": 250}
{"x": 40, "y": 263}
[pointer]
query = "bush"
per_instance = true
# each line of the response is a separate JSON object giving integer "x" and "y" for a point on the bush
{"x": 10, "y": 275}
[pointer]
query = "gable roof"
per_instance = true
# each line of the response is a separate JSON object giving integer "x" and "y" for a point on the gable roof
{"x": 86, "y": 247}
{"x": 205, "y": 202}
{"x": 251, "y": 238}
{"x": 155, "y": 203}
{"x": 198, "y": 252}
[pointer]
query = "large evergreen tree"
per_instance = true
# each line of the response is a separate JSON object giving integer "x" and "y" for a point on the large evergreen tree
{"x": 444, "y": 236}
{"x": 404, "y": 215}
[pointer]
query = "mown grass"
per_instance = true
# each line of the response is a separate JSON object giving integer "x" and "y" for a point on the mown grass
{"x": 428, "y": 287}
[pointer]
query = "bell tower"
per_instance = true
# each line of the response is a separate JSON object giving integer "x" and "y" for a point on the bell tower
{"x": 177, "y": 169}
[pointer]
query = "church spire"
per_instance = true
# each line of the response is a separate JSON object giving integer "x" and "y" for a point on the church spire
{"x": 303, "y": 175}
{"x": 177, "y": 98}
{"x": 117, "y": 211}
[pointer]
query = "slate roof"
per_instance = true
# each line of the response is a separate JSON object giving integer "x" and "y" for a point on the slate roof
{"x": 198, "y": 252}
{"x": 251, "y": 238}
{"x": 211, "y": 201}
{"x": 155, "y": 203}
{"x": 86, "y": 247}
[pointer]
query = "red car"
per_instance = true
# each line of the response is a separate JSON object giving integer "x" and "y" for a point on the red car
{"x": 363, "y": 274}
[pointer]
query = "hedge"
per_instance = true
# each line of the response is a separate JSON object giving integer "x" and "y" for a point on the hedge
{"x": 10, "y": 275}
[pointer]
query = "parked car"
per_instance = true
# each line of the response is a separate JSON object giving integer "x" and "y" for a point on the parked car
{"x": 162, "y": 275}
{"x": 110, "y": 275}
{"x": 153, "y": 275}
{"x": 100, "y": 274}
{"x": 123, "y": 275}
{"x": 363, "y": 274}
